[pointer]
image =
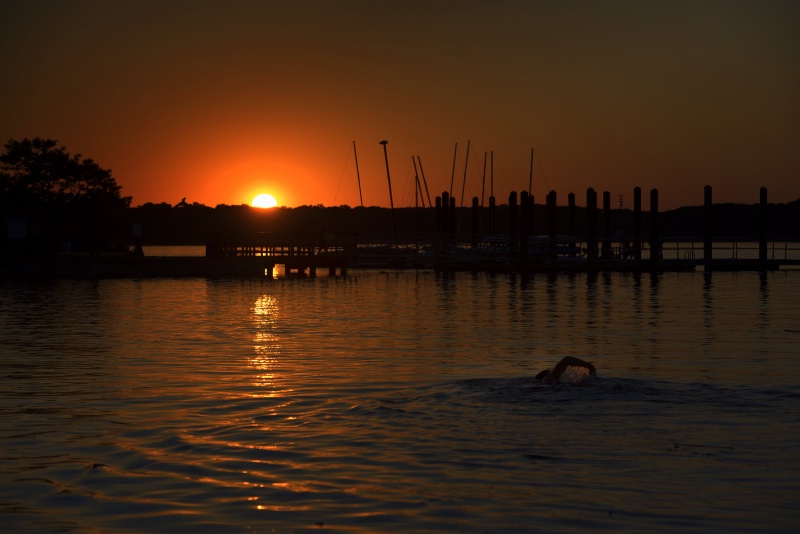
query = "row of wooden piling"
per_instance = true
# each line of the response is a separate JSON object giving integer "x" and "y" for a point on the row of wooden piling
{"x": 598, "y": 247}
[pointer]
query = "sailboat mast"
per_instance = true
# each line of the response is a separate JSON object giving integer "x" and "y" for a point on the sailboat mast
{"x": 424, "y": 181}
{"x": 464, "y": 183}
{"x": 453, "y": 174}
{"x": 418, "y": 189}
{"x": 358, "y": 174}
{"x": 491, "y": 183}
{"x": 483, "y": 181}
{"x": 530, "y": 178}
{"x": 389, "y": 179}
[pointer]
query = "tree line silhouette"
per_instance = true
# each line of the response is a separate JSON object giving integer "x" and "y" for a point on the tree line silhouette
{"x": 195, "y": 223}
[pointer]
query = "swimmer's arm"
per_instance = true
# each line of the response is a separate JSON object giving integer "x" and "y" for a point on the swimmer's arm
{"x": 567, "y": 361}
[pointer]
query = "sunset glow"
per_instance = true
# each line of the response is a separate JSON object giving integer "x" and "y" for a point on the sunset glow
{"x": 611, "y": 95}
{"x": 264, "y": 200}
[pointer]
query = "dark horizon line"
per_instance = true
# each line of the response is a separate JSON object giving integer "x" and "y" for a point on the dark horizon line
{"x": 505, "y": 205}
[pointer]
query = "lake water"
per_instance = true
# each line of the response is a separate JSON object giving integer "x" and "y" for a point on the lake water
{"x": 401, "y": 402}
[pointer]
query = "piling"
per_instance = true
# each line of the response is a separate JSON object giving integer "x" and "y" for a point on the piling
{"x": 531, "y": 215}
{"x": 591, "y": 225}
{"x": 531, "y": 211}
{"x": 476, "y": 221}
{"x": 552, "y": 225}
{"x": 571, "y": 214}
{"x": 438, "y": 215}
{"x": 606, "y": 253}
{"x": 512, "y": 214}
{"x": 762, "y": 227}
{"x": 637, "y": 223}
{"x": 452, "y": 215}
{"x": 524, "y": 216}
{"x": 492, "y": 215}
{"x": 707, "y": 240}
{"x": 445, "y": 213}
{"x": 655, "y": 239}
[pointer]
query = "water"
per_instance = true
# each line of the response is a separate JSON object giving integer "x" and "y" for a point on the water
{"x": 178, "y": 250}
{"x": 400, "y": 401}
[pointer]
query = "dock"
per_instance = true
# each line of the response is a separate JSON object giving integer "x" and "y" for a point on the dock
{"x": 600, "y": 246}
{"x": 301, "y": 254}
{"x": 244, "y": 256}
{"x": 305, "y": 256}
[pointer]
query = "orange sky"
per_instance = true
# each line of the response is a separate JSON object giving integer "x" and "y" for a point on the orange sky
{"x": 220, "y": 101}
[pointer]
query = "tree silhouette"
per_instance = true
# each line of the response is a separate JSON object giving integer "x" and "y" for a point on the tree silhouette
{"x": 66, "y": 197}
{"x": 37, "y": 173}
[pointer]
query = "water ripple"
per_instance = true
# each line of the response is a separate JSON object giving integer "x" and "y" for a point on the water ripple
{"x": 402, "y": 402}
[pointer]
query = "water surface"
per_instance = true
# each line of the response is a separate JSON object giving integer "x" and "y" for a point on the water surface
{"x": 400, "y": 401}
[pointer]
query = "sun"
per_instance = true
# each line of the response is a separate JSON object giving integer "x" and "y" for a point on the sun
{"x": 264, "y": 201}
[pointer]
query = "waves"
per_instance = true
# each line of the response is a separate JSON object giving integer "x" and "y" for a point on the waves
{"x": 372, "y": 405}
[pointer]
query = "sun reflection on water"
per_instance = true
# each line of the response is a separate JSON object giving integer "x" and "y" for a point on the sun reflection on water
{"x": 267, "y": 345}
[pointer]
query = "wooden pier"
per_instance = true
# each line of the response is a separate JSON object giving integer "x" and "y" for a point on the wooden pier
{"x": 301, "y": 254}
{"x": 247, "y": 256}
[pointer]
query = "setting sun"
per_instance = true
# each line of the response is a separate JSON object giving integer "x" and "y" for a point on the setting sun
{"x": 264, "y": 201}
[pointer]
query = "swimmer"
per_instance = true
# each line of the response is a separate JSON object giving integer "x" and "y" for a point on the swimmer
{"x": 554, "y": 376}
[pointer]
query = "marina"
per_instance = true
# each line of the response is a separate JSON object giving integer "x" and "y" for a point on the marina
{"x": 593, "y": 243}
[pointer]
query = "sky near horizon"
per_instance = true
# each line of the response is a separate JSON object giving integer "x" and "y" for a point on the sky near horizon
{"x": 220, "y": 101}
